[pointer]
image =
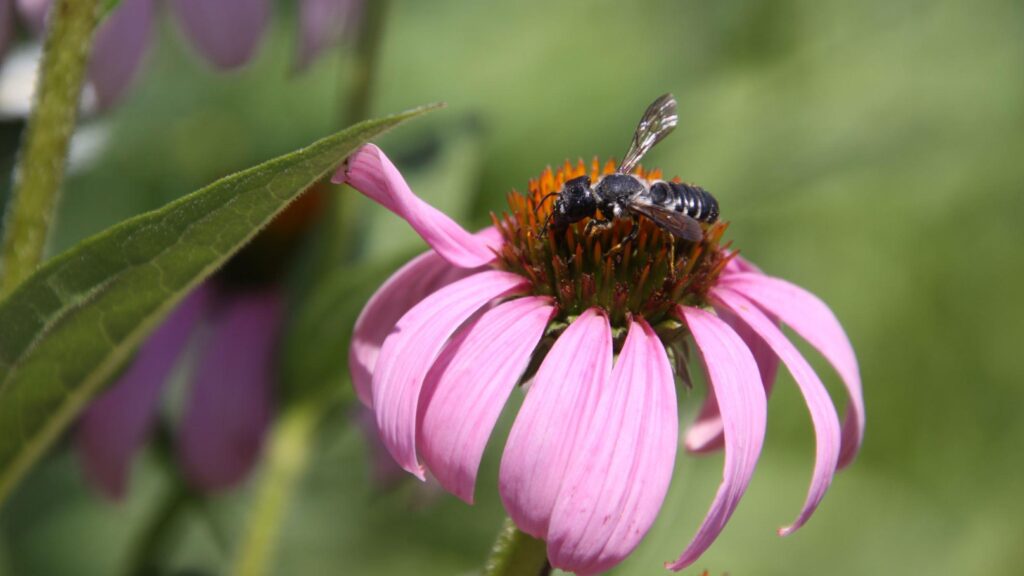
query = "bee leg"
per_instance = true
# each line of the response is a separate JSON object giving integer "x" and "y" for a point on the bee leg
{"x": 672, "y": 259}
{"x": 597, "y": 225}
{"x": 633, "y": 233}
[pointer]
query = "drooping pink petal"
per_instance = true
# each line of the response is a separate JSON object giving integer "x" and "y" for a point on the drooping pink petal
{"x": 414, "y": 345}
{"x": 620, "y": 471}
{"x": 226, "y": 32}
{"x": 118, "y": 49}
{"x": 732, "y": 372}
{"x": 705, "y": 434}
{"x": 823, "y": 413}
{"x": 228, "y": 407}
{"x": 373, "y": 174}
{"x": 321, "y": 23}
{"x": 558, "y": 407}
{"x": 413, "y": 282}
{"x": 809, "y": 317}
{"x": 114, "y": 426}
{"x": 33, "y": 13}
{"x": 470, "y": 383}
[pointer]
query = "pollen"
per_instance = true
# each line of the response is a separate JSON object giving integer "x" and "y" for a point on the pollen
{"x": 644, "y": 277}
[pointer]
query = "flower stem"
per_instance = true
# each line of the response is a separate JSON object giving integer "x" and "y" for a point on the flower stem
{"x": 517, "y": 554}
{"x": 40, "y": 169}
{"x": 286, "y": 460}
{"x": 355, "y": 96}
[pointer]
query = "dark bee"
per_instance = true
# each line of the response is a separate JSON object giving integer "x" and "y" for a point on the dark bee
{"x": 676, "y": 207}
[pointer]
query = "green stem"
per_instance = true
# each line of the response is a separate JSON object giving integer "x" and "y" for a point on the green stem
{"x": 354, "y": 102}
{"x": 517, "y": 554}
{"x": 286, "y": 460}
{"x": 152, "y": 543}
{"x": 40, "y": 169}
{"x": 355, "y": 105}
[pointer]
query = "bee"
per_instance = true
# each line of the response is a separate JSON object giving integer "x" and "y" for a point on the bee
{"x": 676, "y": 207}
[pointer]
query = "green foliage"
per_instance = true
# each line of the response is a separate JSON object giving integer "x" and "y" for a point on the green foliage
{"x": 72, "y": 324}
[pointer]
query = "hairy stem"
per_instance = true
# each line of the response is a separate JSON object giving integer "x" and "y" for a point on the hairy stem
{"x": 517, "y": 554}
{"x": 40, "y": 169}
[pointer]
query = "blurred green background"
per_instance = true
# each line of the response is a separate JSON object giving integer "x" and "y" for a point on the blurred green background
{"x": 872, "y": 152}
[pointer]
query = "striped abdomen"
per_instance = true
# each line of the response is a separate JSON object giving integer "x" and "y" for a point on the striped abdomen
{"x": 689, "y": 199}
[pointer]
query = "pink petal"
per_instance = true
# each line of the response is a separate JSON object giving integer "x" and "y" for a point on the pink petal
{"x": 559, "y": 406}
{"x": 622, "y": 465}
{"x": 739, "y": 264}
{"x": 228, "y": 408}
{"x": 373, "y": 174}
{"x": 413, "y": 282}
{"x": 823, "y": 413}
{"x": 470, "y": 383}
{"x": 323, "y": 22}
{"x": 33, "y": 13}
{"x": 705, "y": 434}
{"x": 118, "y": 49}
{"x": 114, "y": 426}
{"x": 414, "y": 345}
{"x": 226, "y": 32}
{"x": 732, "y": 372}
{"x": 809, "y": 317}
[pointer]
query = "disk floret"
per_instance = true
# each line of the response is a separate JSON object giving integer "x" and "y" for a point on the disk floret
{"x": 583, "y": 267}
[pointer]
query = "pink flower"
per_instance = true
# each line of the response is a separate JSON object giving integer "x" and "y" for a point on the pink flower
{"x": 227, "y": 33}
{"x": 233, "y": 321}
{"x": 221, "y": 432}
{"x": 594, "y": 331}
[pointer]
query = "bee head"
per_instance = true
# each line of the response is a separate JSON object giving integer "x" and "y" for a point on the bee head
{"x": 575, "y": 202}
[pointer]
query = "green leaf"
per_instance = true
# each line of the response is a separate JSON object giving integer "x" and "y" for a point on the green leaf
{"x": 69, "y": 327}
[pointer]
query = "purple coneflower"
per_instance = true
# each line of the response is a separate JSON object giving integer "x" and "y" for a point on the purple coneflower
{"x": 597, "y": 336}
{"x": 226, "y": 33}
{"x": 234, "y": 320}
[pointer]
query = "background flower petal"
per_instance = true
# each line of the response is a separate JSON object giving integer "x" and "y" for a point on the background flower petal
{"x": 33, "y": 13}
{"x": 559, "y": 404}
{"x": 114, "y": 426}
{"x": 470, "y": 383}
{"x": 823, "y": 413}
{"x": 226, "y": 32}
{"x": 6, "y": 25}
{"x": 733, "y": 373}
{"x": 620, "y": 472}
{"x": 228, "y": 407}
{"x": 118, "y": 49}
{"x": 322, "y": 22}
{"x": 373, "y": 174}
{"x": 414, "y": 345}
{"x": 809, "y": 317}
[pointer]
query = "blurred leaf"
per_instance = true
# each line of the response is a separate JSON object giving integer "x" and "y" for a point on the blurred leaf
{"x": 70, "y": 325}
{"x": 317, "y": 340}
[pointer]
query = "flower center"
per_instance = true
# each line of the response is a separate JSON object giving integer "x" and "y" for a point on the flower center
{"x": 580, "y": 267}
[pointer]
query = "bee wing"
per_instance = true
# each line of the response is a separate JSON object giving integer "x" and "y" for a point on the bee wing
{"x": 656, "y": 123}
{"x": 676, "y": 223}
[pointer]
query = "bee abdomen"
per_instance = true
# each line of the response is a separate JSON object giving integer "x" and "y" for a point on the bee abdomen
{"x": 694, "y": 201}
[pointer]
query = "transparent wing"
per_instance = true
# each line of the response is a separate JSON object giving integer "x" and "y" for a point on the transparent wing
{"x": 676, "y": 223}
{"x": 656, "y": 123}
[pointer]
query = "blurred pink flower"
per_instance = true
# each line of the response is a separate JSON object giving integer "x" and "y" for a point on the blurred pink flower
{"x": 440, "y": 347}
{"x": 227, "y": 33}
{"x": 233, "y": 320}
{"x": 229, "y": 400}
